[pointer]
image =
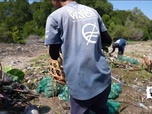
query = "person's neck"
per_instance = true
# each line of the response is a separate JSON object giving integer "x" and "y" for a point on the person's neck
{"x": 65, "y": 3}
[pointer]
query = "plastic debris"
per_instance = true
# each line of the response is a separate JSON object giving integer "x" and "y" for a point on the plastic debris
{"x": 142, "y": 106}
{"x": 113, "y": 106}
{"x": 49, "y": 87}
{"x": 115, "y": 90}
{"x": 64, "y": 94}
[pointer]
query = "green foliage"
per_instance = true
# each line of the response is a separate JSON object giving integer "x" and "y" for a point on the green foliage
{"x": 19, "y": 19}
{"x": 106, "y": 19}
{"x": 5, "y": 33}
{"x": 16, "y": 35}
{"x": 117, "y": 31}
{"x": 29, "y": 28}
{"x": 88, "y": 3}
{"x": 103, "y": 7}
{"x": 40, "y": 31}
{"x": 150, "y": 31}
{"x": 16, "y": 74}
{"x": 7, "y": 68}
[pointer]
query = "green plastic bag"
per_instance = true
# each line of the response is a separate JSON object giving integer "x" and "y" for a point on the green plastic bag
{"x": 43, "y": 83}
{"x": 49, "y": 87}
{"x": 115, "y": 91}
{"x": 113, "y": 106}
{"x": 117, "y": 87}
{"x": 64, "y": 95}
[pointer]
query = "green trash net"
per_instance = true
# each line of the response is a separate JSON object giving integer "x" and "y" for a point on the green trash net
{"x": 115, "y": 91}
{"x": 49, "y": 87}
{"x": 128, "y": 59}
{"x": 52, "y": 89}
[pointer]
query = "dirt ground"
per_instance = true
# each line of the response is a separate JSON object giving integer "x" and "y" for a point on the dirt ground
{"x": 133, "y": 97}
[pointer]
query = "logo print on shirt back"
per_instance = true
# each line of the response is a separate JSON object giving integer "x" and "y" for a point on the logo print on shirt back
{"x": 89, "y": 32}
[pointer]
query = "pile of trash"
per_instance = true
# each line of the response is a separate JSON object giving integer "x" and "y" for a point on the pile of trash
{"x": 14, "y": 95}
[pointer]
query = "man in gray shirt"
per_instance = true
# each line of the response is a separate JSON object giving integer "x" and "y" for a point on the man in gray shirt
{"x": 80, "y": 33}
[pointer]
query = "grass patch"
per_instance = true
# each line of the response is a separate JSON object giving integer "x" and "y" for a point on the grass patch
{"x": 129, "y": 76}
{"x": 40, "y": 58}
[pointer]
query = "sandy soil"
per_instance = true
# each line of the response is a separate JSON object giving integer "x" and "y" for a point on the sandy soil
{"x": 18, "y": 56}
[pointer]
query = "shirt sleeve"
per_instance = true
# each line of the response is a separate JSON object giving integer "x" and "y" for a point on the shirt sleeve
{"x": 102, "y": 25}
{"x": 52, "y": 33}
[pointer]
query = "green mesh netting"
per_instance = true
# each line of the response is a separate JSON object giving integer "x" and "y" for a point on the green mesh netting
{"x": 115, "y": 91}
{"x": 64, "y": 94}
{"x": 128, "y": 59}
{"x": 113, "y": 106}
{"x": 49, "y": 87}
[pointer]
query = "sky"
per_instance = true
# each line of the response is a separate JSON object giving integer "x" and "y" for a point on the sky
{"x": 31, "y": 1}
{"x": 144, "y": 5}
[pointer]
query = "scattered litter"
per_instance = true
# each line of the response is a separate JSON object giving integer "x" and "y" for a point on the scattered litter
{"x": 142, "y": 106}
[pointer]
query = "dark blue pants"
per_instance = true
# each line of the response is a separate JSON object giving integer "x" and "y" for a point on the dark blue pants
{"x": 121, "y": 49}
{"x": 96, "y": 104}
